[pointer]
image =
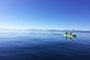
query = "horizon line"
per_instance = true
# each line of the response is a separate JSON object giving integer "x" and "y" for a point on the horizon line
{"x": 42, "y": 29}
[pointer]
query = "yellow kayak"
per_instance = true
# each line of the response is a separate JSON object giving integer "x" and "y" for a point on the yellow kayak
{"x": 68, "y": 35}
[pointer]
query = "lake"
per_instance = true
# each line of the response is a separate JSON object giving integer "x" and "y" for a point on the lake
{"x": 44, "y": 45}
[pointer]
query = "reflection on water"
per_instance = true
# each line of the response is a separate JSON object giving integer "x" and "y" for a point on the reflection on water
{"x": 44, "y": 46}
{"x": 70, "y": 37}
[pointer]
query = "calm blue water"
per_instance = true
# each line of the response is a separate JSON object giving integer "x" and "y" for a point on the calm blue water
{"x": 44, "y": 46}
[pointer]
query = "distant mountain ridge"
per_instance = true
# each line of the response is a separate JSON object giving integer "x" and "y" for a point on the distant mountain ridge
{"x": 61, "y": 30}
{"x": 5, "y": 29}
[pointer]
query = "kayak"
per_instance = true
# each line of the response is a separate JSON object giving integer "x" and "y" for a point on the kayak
{"x": 68, "y": 35}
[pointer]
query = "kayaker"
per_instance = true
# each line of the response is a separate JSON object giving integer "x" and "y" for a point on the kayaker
{"x": 70, "y": 33}
{"x": 66, "y": 33}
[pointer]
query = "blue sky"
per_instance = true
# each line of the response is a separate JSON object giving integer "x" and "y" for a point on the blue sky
{"x": 45, "y": 14}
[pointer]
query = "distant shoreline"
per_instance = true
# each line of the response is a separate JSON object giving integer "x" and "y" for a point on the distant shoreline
{"x": 81, "y": 31}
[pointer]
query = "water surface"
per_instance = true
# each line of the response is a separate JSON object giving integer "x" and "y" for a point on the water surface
{"x": 44, "y": 46}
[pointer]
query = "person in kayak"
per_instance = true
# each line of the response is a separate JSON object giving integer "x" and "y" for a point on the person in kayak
{"x": 66, "y": 33}
{"x": 70, "y": 33}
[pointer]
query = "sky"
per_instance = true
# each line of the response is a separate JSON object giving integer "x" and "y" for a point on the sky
{"x": 45, "y": 14}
